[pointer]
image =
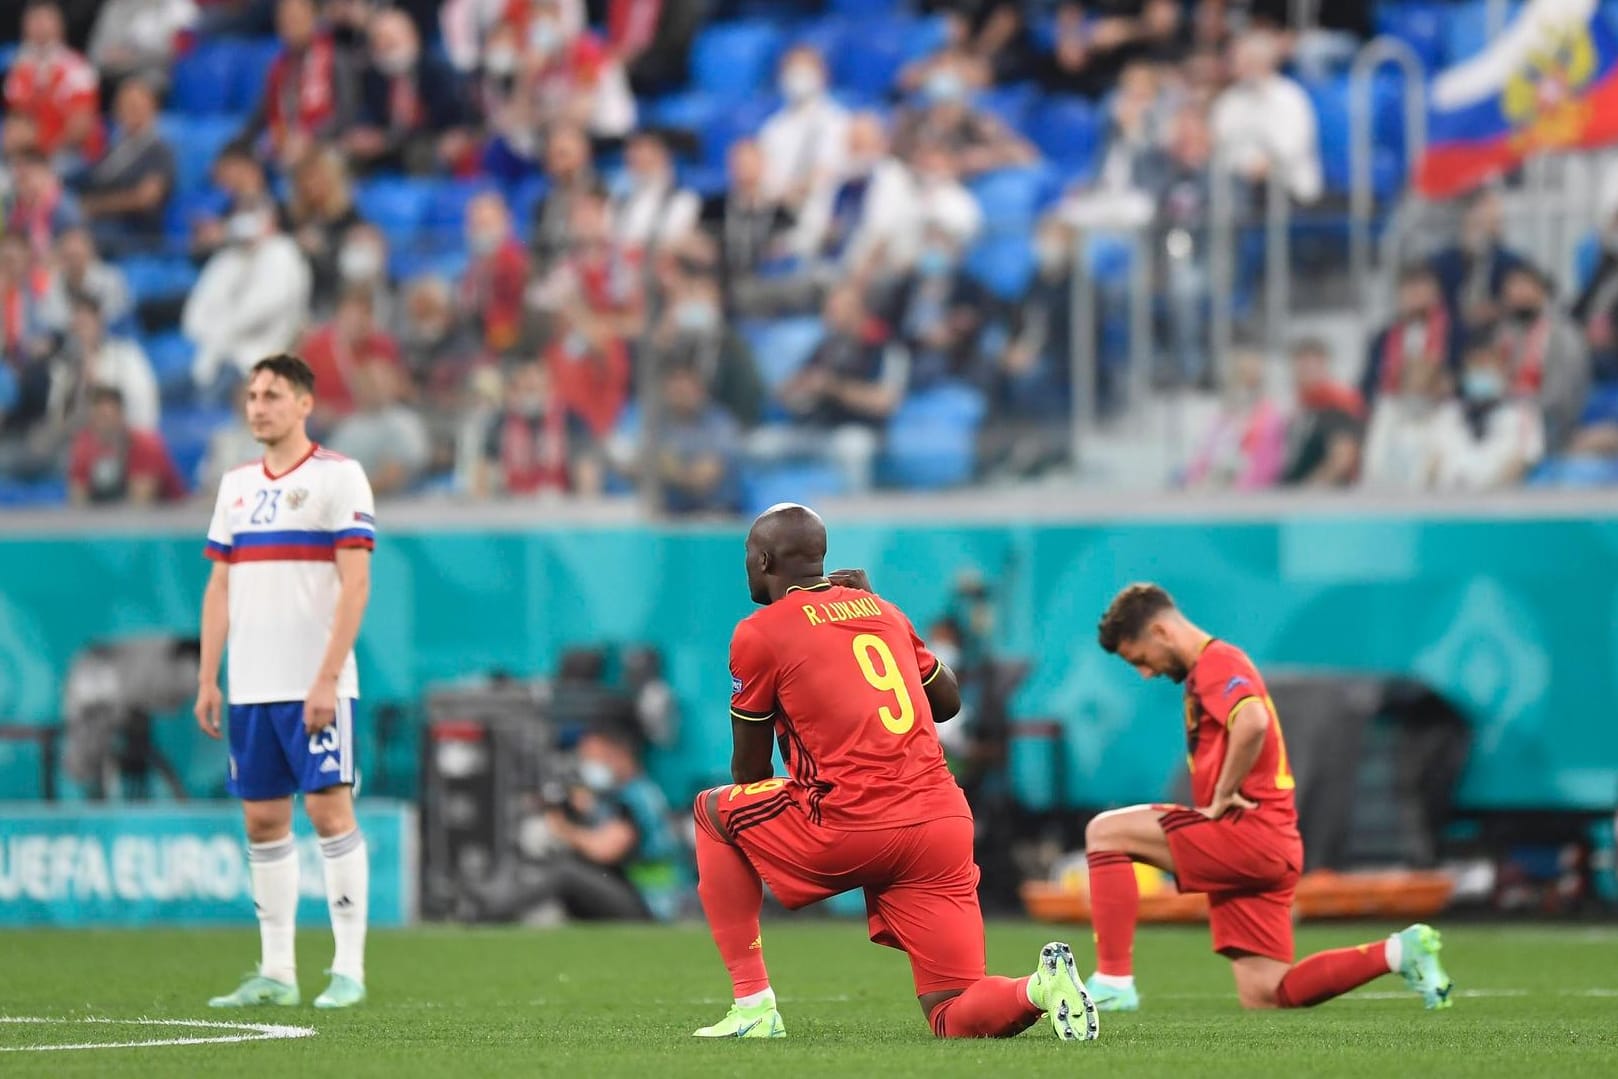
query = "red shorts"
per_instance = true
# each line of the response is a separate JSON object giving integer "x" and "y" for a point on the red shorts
{"x": 1249, "y": 869}
{"x": 921, "y": 884}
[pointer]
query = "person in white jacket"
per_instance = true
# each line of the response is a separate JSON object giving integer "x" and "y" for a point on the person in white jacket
{"x": 250, "y": 302}
{"x": 1264, "y": 124}
{"x": 92, "y": 359}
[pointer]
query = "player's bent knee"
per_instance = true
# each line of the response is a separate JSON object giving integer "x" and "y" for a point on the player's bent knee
{"x": 1101, "y": 834}
{"x": 706, "y": 812}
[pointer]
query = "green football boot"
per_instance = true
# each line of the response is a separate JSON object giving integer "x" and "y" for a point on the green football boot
{"x": 258, "y": 991}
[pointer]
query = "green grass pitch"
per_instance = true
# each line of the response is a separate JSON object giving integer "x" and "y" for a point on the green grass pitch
{"x": 1533, "y": 1000}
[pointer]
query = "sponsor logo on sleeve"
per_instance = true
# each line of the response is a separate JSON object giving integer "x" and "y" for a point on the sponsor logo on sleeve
{"x": 1235, "y": 684}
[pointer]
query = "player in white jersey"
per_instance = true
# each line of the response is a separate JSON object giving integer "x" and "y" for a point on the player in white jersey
{"x": 291, "y": 543}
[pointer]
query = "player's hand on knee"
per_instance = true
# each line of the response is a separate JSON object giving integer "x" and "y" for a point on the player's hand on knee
{"x": 209, "y": 704}
{"x": 320, "y": 707}
{"x": 851, "y": 578}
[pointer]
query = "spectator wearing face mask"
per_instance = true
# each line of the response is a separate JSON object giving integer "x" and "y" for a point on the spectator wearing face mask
{"x": 435, "y": 344}
{"x": 754, "y": 234}
{"x": 249, "y": 302}
{"x": 322, "y": 210}
{"x": 111, "y": 462}
{"x": 1489, "y": 439}
{"x": 975, "y": 141}
{"x": 91, "y": 357}
{"x": 843, "y": 397}
{"x": 654, "y": 210}
{"x": 385, "y": 435}
{"x": 534, "y": 446}
{"x": 1036, "y": 366}
{"x": 940, "y": 314}
{"x": 1407, "y": 418}
{"x": 362, "y": 265}
{"x": 412, "y": 115}
{"x": 890, "y": 236}
{"x": 600, "y": 272}
{"x": 80, "y": 272}
{"x": 1545, "y": 356}
{"x": 311, "y": 92}
{"x": 336, "y": 351}
{"x": 238, "y": 174}
{"x": 803, "y": 147}
{"x": 1472, "y": 273}
{"x": 571, "y": 176}
{"x": 874, "y": 191}
{"x": 589, "y": 370}
{"x": 492, "y": 290}
{"x": 1421, "y": 333}
{"x": 695, "y": 450}
{"x": 693, "y": 332}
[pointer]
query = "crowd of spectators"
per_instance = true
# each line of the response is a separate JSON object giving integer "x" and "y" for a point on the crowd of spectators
{"x": 574, "y": 306}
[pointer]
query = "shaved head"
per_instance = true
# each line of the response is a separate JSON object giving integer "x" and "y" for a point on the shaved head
{"x": 785, "y": 546}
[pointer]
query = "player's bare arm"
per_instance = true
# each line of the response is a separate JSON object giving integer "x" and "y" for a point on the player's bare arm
{"x": 752, "y": 743}
{"x": 1248, "y": 726}
{"x": 215, "y": 626}
{"x": 354, "y": 573}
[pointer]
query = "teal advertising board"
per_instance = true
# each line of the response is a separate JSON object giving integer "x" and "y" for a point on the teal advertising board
{"x": 1516, "y": 620}
{"x": 85, "y": 865}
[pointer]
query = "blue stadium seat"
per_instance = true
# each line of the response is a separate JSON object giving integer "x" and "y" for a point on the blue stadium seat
{"x": 187, "y": 431}
{"x": 738, "y": 119}
{"x": 780, "y": 349}
{"x": 1419, "y": 24}
{"x": 252, "y": 71}
{"x": 204, "y": 80}
{"x": 1575, "y": 472}
{"x": 1003, "y": 263}
{"x": 158, "y": 277}
{"x": 1067, "y": 131}
{"x": 932, "y": 439}
{"x": 395, "y": 204}
{"x": 1602, "y": 405}
{"x": 21, "y": 494}
{"x": 805, "y": 483}
{"x": 170, "y": 355}
{"x": 706, "y": 180}
{"x": 1011, "y": 198}
{"x": 1009, "y": 104}
{"x": 1466, "y": 28}
{"x": 691, "y": 110}
{"x": 871, "y": 56}
{"x": 523, "y": 197}
{"x": 8, "y": 55}
{"x": 185, "y": 209}
{"x": 735, "y": 58}
{"x": 1586, "y": 256}
{"x": 828, "y": 35}
{"x": 197, "y": 140}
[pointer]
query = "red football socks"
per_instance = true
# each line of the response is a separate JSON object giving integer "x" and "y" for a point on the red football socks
{"x": 990, "y": 1008}
{"x": 1114, "y": 907}
{"x": 732, "y": 896}
{"x": 1329, "y": 974}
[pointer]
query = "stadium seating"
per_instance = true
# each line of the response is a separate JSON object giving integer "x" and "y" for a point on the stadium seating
{"x": 735, "y": 59}
{"x": 805, "y": 482}
{"x": 197, "y": 140}
{"x": 170, "y": 355}
{"x": 1067, "y": 131}
{"x": 187, "y": 431}
{"x": 931, "y": 441}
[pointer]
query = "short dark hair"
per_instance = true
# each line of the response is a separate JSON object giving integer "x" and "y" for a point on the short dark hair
{"x": 290, "y": 367}
{"x": 1129, "y": 612}
{"x": 102, "y": 394}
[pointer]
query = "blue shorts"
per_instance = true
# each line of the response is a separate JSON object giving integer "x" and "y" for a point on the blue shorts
{"x": 272, "y": 756}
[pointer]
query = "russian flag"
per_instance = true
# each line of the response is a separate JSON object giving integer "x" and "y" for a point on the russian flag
{"x": 1549, "y": 83}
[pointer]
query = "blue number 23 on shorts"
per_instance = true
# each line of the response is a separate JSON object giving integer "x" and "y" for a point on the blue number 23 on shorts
{"x": 272, "y": 756}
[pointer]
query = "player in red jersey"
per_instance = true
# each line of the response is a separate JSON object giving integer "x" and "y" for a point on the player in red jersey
{"x": 840, "y": 676}
{"x": 1240, "y": 845}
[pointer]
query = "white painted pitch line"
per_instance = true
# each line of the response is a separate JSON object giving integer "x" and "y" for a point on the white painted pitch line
{"x": 250, "y": 1032}
{"x": 1405, "y": 995}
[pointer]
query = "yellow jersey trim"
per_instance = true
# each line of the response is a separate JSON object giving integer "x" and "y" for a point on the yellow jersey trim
{"x": 750, "y": 717}
{"x": 1230, "y": 717}
{"x": 938, "y": 665}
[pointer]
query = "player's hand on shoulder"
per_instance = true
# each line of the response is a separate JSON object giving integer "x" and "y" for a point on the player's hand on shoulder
{"x": 851, "y": 578}
{"x": 209, "y": 704}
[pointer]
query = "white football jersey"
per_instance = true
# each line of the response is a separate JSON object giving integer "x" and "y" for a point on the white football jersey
{"x": 279, "y": 534}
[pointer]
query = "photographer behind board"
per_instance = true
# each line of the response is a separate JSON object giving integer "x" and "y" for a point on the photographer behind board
{"x": 609, "y": 850}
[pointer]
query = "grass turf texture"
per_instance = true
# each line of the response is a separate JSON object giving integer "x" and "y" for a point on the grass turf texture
{"x": 616, "y": 1001}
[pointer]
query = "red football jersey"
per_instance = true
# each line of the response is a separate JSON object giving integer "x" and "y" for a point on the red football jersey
{"x": 842, "y": 674}
{"x": 1223, "y": 682}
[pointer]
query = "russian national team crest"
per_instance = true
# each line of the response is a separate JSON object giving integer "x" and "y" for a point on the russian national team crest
{"x": 297, "y": 497}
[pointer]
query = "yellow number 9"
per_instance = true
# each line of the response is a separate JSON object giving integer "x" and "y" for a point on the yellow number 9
{"x": 889, "y": 680}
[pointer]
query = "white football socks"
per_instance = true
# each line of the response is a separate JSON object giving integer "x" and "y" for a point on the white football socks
{"x": 1113, "y": 981}
{"x": 1394, "y": 952}
{"x": 348, "y": 889}
{"x": 274, "y": 870}
{"x": 753, "y": 1000}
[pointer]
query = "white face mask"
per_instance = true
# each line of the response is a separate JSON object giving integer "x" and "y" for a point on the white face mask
{"x": 396, "y": 63}
{"x": 500, "y": 61}
{"x": 597, "y": 776}
{"x": 544, "y": 37}
{"x": 245, "y": 226}
{"x": 359, "y": 262}
{"x": 801, "y": 83}
{"x": 484, "y": 241}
